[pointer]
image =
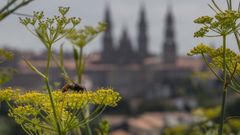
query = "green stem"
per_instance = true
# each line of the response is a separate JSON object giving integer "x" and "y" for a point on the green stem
{"x": 80, "y": 72}
{"x": 50, "y": 91}
{"x": 237, "y": 39}
{"x": 7, "y": 6}
{"x": 10, "y": 11}
{"x": 212, "y": 70}
{"x": 89, "y": 132}
{"x": 80, "y": 66}
{"x": 216, "y": 6}
{"x": 223, "y": 105}
{"x": 222, "y": 112}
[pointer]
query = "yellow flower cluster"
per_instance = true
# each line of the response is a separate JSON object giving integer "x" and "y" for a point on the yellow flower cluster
{"x": 100, "y": 96}
{"x": 215, "y": 55}
{"x": 201, "y": 49}
{"x": 33, "y": 109}
{"x": 26, "y": 111}
{"x": 8, "y": 94}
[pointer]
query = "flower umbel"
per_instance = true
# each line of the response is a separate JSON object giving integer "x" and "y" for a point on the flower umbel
{"x": 222, "y": 62}
{"x": 83, "y": 36}
{"x": 33, "y": 109}
{"x": 50, "y": 30}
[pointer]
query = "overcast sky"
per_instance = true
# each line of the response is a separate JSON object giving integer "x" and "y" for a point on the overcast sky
{"x": 124, "y": 13}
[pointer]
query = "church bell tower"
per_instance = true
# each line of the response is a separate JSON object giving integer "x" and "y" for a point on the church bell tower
{"x": 108, "y": 51}
{"x": 169, "y": 45}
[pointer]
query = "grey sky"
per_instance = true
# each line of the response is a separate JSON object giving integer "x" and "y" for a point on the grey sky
{"x": 124, "y": 13}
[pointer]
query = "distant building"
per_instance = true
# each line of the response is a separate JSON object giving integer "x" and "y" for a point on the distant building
{"x": 169, "y": 45}
{"x": 136, "y": 72}
{"x": 108, "y": 50}
{"x": 124, "y": 53}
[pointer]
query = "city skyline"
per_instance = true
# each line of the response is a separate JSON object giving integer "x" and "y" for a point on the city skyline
{"x": 184, "y": 13}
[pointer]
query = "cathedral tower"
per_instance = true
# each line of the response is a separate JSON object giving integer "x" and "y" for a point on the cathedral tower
{"x": 142, "y": 35}
{"x": 169, "y": 45}
{"x": 125, "y": 50}
{"x": 108, "y": 45}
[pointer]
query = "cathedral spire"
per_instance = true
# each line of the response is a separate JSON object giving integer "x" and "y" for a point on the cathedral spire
{"x": 142, "y": 34}
{"x": 108, "y": 47}
{"x": 169, "y": 24}
{"x": 125, "y": 50}
{"x": 107, "y": 18}
{"x": 169, "y": 46}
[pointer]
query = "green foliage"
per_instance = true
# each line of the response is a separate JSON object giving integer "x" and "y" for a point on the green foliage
{"x": 222, "y": 61}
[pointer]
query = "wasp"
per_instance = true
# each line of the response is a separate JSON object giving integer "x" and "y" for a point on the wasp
{"x": 74, "y": 87}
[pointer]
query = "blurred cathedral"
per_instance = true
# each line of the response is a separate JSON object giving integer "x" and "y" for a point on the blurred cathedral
{"x": 123, "y": 53}
{"x": 136, "y": 72}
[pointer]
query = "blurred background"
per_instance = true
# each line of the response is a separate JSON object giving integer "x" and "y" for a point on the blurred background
{"x": 142, "y": 54}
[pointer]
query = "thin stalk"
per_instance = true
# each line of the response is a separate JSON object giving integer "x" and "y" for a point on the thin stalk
{"x": 24, "y": 129}
{"x": 216, "y": 6}
{"x": 229, "y": 3}
{"x": 7, "y": 6}
{"x": 239, "y": 7}
{"x": 237, "y": 39}
{"x": 223, "y": 105}
{"x": 98, "y": 112}
{"x": 50, "y": 91}
{"x": 88, "y": 129}
{"x": 79, "y": 68}
{"x": 212, "y": 70}
{"x": 222, "y": 112}
{"x": 7, "y": 13}
{"x": 85, "y": 110}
